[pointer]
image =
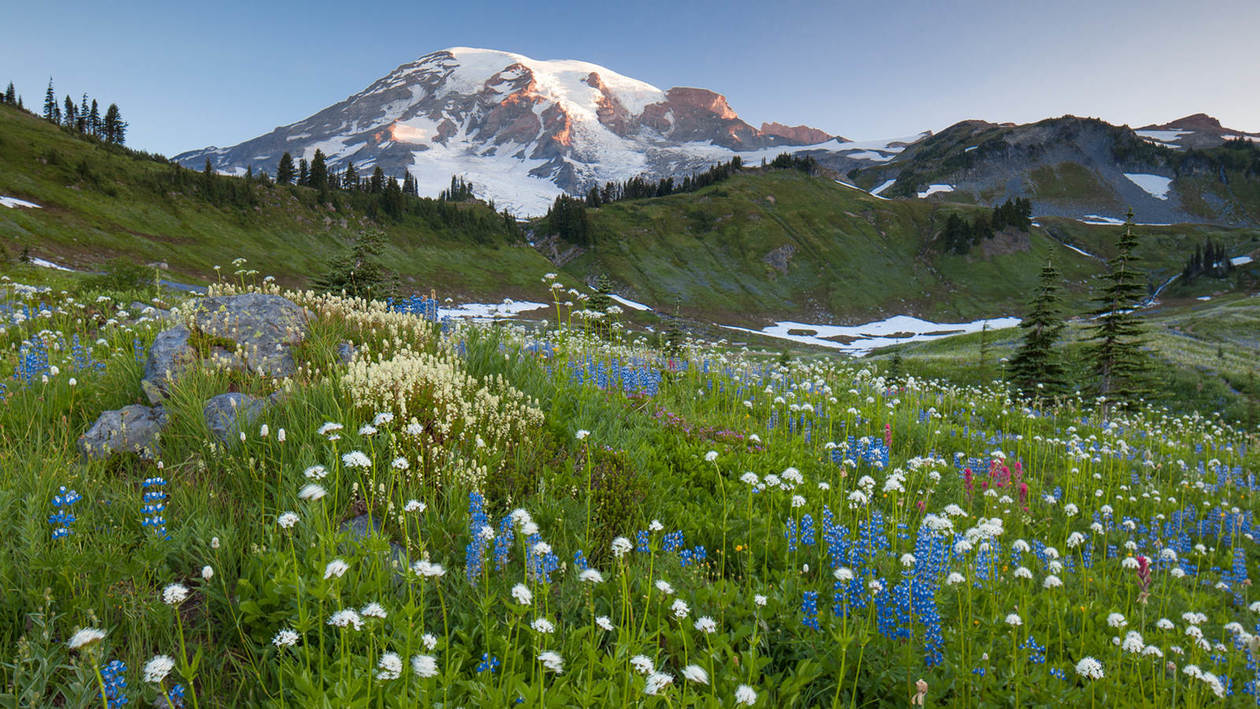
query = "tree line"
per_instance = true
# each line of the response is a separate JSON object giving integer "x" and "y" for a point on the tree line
{"x": 1209, "y": 259}
{"x": 84, "y": 117}
{"x": 960, "y": 235}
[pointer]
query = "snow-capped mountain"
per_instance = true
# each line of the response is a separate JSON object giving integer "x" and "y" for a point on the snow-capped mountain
{"x": 1197, "y": 131}
{"x": 523, "y": 131}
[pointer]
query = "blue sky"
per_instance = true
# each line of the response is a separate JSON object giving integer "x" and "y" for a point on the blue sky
{"x": 193, "y": 74}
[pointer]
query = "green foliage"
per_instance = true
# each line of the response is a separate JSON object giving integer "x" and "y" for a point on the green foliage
{"x": 567, "y": 219}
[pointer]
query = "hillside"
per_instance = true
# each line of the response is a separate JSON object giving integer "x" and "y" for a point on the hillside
{"x": 774, "y": 244}
{"x": 99, "y": 202}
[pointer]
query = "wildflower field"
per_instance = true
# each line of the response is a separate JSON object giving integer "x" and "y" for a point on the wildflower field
{"x": 463, "y": 514}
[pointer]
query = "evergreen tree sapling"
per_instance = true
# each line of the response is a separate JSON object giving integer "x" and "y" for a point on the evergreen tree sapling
{"x": 1036, "y": 370}
{"x": 1118, "y": 364}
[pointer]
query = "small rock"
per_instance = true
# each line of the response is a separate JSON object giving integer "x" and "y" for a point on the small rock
{"x": 131, "y": 429}
{"x": 226, "y": 413}
{"x": 345, "y": 352}
{"x": 360, "y": 527}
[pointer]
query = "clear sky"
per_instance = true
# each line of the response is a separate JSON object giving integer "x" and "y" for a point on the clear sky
{"x": 191, "y": 74}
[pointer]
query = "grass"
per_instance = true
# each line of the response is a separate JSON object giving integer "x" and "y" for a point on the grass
{"x": 796, "y": 534}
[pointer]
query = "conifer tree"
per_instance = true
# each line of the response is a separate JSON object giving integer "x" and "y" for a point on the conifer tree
{"x": 1036, "y": 370}
{"x": 94, "y": 119}
{"x": 1115, "y": 353}
{"x": 350, "y": 180}
{"x": 114, "y": 128}
{"x": 319, "y": 171}
{"x": 50, "y": 103}
{"x": 68, "y": 115}
{"x": 10, "y": 94}
{"x": 602, "y": 299}
{"x": 284, "y": 171}
{"x": 304, "y": 173}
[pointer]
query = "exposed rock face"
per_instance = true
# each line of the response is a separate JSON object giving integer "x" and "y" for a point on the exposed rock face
{"x": 799, "y": 135}
{"x": 131, "y": 429}
{"x": 226, "y": 414}
{"x": 263, "y": 326}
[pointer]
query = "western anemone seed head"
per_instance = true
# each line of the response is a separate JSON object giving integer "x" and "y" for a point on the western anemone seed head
{"x": 156, "y": 670}
{"x": 657, "y": 682}
{"x": 552, "y": 661}
{"x": 85, "y": 637}
{"x": 425, "y": 666}
{"x": 695, "y": 673}
{"x": 389, "y": 667}
{"x": 174, "y": 594}
{"x": 522, "y": 594}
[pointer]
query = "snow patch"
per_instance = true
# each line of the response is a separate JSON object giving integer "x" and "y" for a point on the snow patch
{"x": 628, "y": 303}
{"x": 1165, "y": 138}
{"x": 886, "y": 184}
{"x": 861, "y": 339}
{"x": 933, "y": 189}
{"x": 489, "y": 311}
{"x": 12, "y": 202}
{"x": 44, "y": 263}
{"x": 1204, "y": 298}
{"x": 1240, "y": 260}
{"x": 1156, "y": 186}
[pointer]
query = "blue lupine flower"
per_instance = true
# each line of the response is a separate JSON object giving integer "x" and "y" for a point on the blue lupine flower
{"x": 809, "y": 608}
{"x": 488, "y": 662}
{"x": 475, "y": 552}
{"x": 154, "y": 499}
{"x": 113, "y": 676}
{"x": 63, "y": 517}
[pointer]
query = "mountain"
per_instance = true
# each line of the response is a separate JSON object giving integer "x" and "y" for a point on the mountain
{"x": 1195, "y": 131}
{"x": 521, "y": 130}
{"x": 1082, "y": 168}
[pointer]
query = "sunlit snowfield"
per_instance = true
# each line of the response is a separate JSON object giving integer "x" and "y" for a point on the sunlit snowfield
{"x": 574, "y": 517}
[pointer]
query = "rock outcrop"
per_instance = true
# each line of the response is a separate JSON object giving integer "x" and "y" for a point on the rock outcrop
{"x": 131, "y": 429}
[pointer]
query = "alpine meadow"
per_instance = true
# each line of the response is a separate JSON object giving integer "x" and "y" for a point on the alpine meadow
{"x": 506, "y": 381}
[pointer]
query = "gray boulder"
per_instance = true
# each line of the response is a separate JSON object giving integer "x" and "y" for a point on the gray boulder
{"x": 131, "y": 429}
{"x": 262, "y": 326}
{"x": 169, "y": 356}
{"x": 362, "y": 526}
{"x": 226, "y": 414}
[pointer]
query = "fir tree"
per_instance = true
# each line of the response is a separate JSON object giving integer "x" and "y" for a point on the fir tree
{"x": 81, "y": 117}
{"x": 68, "y": 115}
{"x": 304, "y": 173}
{"x": 10, "y": 94}
{"x": 284, "y": 170}
{"x": 350, "y": 179}
{"x": 358, "y": 272}
{"x": 1115, "y": 354}
{"x": 50, "y": 103}
{"x": 1036, "y": 370}
{"x": 319, "y": 172}
{"x": 94, "y": 119}
{"x": 602, "y": 299}
{"x": 114, "y": 128}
